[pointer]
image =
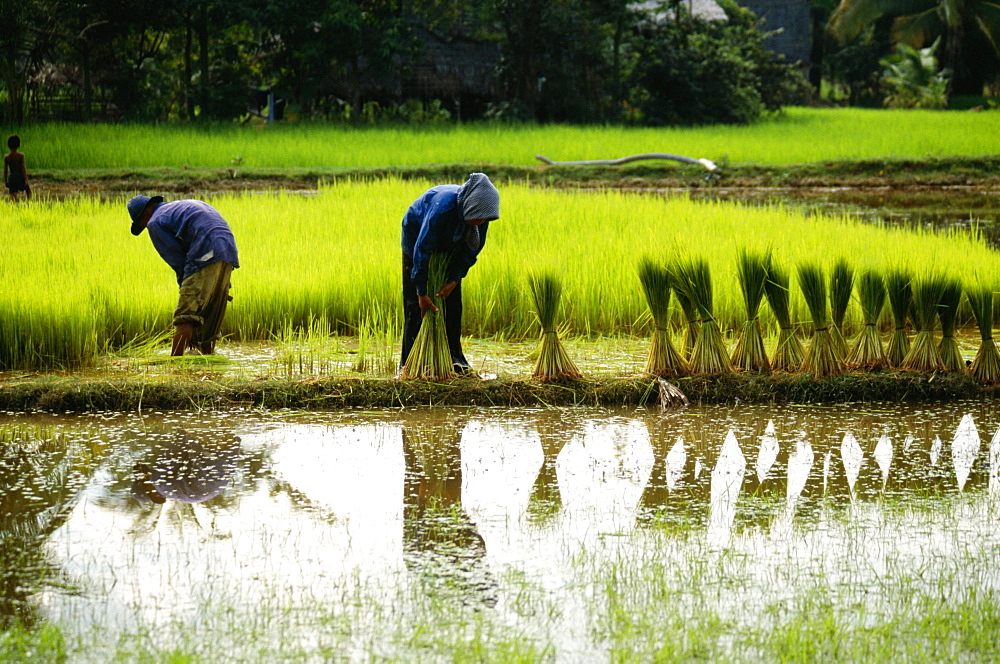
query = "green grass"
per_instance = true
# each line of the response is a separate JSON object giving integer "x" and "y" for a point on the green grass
{"x": 798, "y": 135}
{"x": 77, "y": 284}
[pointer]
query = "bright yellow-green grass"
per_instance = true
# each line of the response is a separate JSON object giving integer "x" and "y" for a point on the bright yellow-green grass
{"x": 795, "y": 136}
{"x": 76, "y": 283}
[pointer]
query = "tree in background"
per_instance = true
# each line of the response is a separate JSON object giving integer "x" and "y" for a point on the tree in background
{"x": 695, "y": 71}
{"x": 969, "y": 30}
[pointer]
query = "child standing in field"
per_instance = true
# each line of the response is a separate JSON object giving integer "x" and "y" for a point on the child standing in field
{"x": 15, "y": 174}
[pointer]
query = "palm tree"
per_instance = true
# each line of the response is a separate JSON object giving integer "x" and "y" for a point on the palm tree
{"x": 970, "y": 30}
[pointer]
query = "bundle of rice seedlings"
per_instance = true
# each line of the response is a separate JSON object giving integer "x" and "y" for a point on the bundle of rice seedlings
{"x": 691, "y": 317}
{"x": 751, "y": 271}
{"x": 553, "y": 361}
{"x": 788, "y": 354}
{"x": 899, "y": 290}
{"x": 430, "y": 357}
{"x": 841, "y": 289}
{"x": 821, "y": 358}
{"x": 951, "y": 297}
{"x": 663, "y": 359}
{"x": 924, "y": 354}
{"x": 709, "y": 355}
{"x": 868, "y": 352}
{"x": 986, "y": 366}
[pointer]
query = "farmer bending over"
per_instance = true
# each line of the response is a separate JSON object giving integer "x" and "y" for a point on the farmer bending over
{"x": 194, "y": 239}
{"x": 453, "y": 219}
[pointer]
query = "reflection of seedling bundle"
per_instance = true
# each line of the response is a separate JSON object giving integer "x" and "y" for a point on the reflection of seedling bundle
{"x": 663, "y": 359}
{"x": 821, "y": 358}
{"x": 986, "y": 366}
{"x": 868, "y": 352}
{"x": 709, "y": 354}
{"x": 788, "y": 353}
{"x": 553, "y": 361}
{"x": 899, "y": 289}
{"x": 924, "y": 354}
{"x": 430, "y": 356}
{"x": 749, "y": 354}
{"x": 951, "y": 297}
{"x": 841, "y": 289}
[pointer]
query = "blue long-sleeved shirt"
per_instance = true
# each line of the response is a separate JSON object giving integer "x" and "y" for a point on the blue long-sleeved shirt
{"x": 189, "y": 235}
{"x": 433, "y": 223}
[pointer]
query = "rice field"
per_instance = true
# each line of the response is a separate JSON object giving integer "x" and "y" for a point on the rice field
{"x": 798, "y": 135}
{"x": 79, "y": 285}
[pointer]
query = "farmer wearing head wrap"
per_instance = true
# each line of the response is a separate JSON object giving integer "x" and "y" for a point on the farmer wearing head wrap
{"x": 453, "y": 219}
{"x": 193, "y": 239}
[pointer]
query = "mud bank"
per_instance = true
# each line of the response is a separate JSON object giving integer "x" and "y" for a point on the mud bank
{"x": 56, "y": 393}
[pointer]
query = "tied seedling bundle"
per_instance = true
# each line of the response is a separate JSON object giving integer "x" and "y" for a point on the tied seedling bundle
{"x": 868, "y": 352}
{"x": 821, "y": 359}
{"x": 951, "y": 297}
{"x": 986, "y": 366}
{"x": 841, "y": 289}
{"x": 709, "y": 355}
{"x": 663, "y": 358}
{"x": 430, "y": 357}
{"x": 924, "y": 354}
{"x": 553, "y": 361}
{"x": 788, "y": 354}
{"x": 690, "y": 316}
{"x": 899, "y": 290}
{"x": 751, "y": 270}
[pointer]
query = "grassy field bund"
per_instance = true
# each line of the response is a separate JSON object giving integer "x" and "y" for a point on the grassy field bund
{"x": 798, "y": 135}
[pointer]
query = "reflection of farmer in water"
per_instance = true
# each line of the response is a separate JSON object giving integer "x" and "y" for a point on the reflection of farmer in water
{"x": 186, "y": 470}
{"x": 440, "y": 541}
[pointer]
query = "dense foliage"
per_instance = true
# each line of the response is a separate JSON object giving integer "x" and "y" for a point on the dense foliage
{"x": 557, "y": 60}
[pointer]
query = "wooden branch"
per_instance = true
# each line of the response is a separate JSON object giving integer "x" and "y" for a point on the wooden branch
{"x": 710, "y": 165}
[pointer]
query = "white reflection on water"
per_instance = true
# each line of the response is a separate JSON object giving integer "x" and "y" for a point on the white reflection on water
{"x": 852, "y": 457}
{"x": 727, "y": 481}
{"x": 675, "y": 461}
{"x": 964, "y": 449}
{"x": 883, "y": 456}
{"x": 767, "y": 454}
{"x": 316, "y": 509}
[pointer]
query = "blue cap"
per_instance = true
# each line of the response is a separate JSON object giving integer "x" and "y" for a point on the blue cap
{"x": 136, "y": 206}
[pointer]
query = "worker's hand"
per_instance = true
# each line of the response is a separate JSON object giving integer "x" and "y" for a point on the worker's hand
{"x": 447, "y": 289}
{"x": 425, "y": 304}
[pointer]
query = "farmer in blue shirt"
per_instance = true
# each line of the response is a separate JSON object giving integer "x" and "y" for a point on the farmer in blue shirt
{"x": 447, "y": 218}
{"x": 193, "y": 239}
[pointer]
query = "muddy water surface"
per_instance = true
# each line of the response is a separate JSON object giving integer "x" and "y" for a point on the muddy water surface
{"x": 348, "y": 532}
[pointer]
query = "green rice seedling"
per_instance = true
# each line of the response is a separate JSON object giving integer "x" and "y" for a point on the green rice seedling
{"x": 691, "y": 319}
{"x": 841, "y": 289}
{"x": 986, "y": 365}
{"x": 899, "y": 290}
{"x": 663, "y": 358}
{"x": 751, "y": 270}
{"x": 430, "y": 357}
{"x": 868, "y": 352}
{"x": 924, "y": 354}
{"x": 553, "y": 361}
{"x": 788, "y": 353}
{"x": 709, "y": 355}
{"x": 951, "y": 298}
{"x": 821, "y": 358}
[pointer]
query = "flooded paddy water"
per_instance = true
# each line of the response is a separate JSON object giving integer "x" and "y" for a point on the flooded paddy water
{"x": 855, "y": 531}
